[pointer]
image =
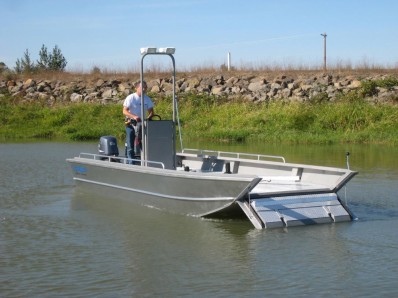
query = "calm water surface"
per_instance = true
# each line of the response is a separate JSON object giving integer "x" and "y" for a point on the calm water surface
{"x": 55, "y": 242}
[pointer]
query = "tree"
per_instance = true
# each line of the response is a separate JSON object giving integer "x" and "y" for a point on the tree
{"x": 44, "y": 59}
{"x": 18, "y": 66}
{"x": 57, "y": 61}
{"x": 25, "y": 64}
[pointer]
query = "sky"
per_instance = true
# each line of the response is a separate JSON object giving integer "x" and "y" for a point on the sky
{"x": 109, "y": 34}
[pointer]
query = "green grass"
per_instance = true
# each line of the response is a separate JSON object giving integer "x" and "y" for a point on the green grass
{"x": 340, "y": 122}
{"x": 70, "y": 122}
{"x": 350, "y": 119}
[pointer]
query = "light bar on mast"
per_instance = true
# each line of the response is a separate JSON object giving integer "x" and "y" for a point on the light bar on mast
{"x": 151, "y": 50}
{"x": 147, "y": 51}
{"x": 167, "y": 50}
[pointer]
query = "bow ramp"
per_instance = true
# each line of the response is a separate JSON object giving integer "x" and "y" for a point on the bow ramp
{"x": 287, "y": 194}
{"x": 286, "y": 211}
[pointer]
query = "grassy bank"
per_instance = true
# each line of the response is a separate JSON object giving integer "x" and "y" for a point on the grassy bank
{"x": 349, "y": 119}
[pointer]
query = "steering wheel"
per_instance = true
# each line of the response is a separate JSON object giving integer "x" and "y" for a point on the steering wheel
{"x": 155, "y": 116}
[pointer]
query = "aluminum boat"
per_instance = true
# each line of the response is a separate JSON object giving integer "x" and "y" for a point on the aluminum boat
{"x": 269, "y": 191}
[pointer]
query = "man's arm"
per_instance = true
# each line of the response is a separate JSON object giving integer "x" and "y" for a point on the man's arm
{"x": 150, "y": 113}
{"x": 127, "y": 113}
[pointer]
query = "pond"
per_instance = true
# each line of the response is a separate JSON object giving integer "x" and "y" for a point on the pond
{"x": 55, "y": 242}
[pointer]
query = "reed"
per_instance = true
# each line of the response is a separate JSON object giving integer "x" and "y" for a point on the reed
{"x": 153, "y": 71}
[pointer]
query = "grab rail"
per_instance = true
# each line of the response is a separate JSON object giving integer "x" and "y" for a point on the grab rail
{"x": 124, "y": 160}
{"x": 233, "y": 154}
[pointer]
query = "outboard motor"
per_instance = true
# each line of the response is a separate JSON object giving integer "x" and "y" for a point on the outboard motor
{"x": 108, "y": 147}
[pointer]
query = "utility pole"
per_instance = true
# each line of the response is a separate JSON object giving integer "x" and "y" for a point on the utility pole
{"x": 324, "y": 51}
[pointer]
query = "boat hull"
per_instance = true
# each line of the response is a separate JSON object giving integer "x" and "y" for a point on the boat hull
{"x": 195, "y": 194}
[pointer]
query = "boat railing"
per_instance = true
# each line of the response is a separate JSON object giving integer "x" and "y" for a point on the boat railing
{"x": 118, "y": 159}
{"x": 238, "y": 155}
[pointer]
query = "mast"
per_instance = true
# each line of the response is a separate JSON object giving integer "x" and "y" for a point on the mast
{"x": 154, "y": 51}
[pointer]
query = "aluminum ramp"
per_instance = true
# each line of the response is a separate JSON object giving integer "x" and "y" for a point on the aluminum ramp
{"x": 287, "y": 211}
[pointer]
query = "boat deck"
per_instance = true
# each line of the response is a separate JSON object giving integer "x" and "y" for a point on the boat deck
{"x": 270, "y": 187}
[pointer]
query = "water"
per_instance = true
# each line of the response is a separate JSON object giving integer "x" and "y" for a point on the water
{"x": 55, "y": 242}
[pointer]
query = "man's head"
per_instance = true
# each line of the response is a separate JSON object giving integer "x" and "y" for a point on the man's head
{"x": 140, "y": 87}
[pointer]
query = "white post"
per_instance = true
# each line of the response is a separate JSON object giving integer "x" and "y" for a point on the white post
{"x": 324, "y": 51}
{"x": 229, "y": 61}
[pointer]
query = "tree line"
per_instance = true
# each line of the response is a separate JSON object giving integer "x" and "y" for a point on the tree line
{"x": 48, "y": 61}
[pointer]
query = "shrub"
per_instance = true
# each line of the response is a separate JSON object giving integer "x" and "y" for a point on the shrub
{"x": 388, "y": 83}
{"x": 368, "y": 88}
{"x": 95, "y": 70}
{"x": 3, "y": 67}
{"x": 318, "y": 98}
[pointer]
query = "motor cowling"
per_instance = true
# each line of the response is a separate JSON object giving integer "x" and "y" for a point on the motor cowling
{"x": 108, "y": 146}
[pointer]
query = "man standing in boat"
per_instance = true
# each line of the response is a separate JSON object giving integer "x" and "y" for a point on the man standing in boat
{"x": 132, "y": 112}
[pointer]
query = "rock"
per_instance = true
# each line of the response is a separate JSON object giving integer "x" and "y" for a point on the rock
{"x": 75, "y": 97}
{"x": 286, "y": 93}
{"x": 275, "y": 86}
{"x": 235, "y": 90}
{"x": 306, "y": 87}
{"x": 155, "y": 89}
{"x": 231, "y": 81}
{"x": 217, "y": 90}
{"x": 11, "y": 83}
{"x": 15, "y": 89}
{"x": 355, "y": 84}
{"x": 219, "y": 80}
{"x": 29, "y": 83}
{"x": 91, "y": 97}
{"x": 99, "y": 83}
{"x": 345, "y": 82}
{"x": 122, "y": 86}
{"x": 193, "y": 83}
{"x": 167, "y": 87}
{"x": 115, "y": 83}
{"x": 183, "y": 87}
{"x": 292, "y": 86}
{"x": 30, "y": 90}
{"x": 20, "y": 93}
{"x": 208, "y": 83}
{"x": 256, "y": 86}
{"x": 43, "y": 96}
{"x": 107, "y": 93}
{"x": 180, "y": 82}
{"x": 44, "y": 86}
